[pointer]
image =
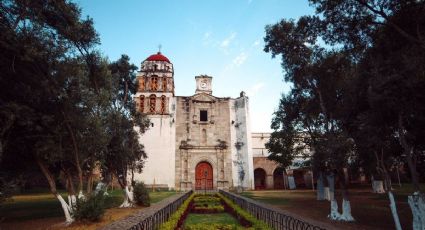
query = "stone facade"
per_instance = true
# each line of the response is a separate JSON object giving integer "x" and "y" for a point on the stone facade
{"x": 193, "y": 142}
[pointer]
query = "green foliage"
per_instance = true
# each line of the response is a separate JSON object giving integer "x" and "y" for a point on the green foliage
{"x": 256, "y": 224}
{"x": 173, "y": 221}
{"x": 91, "y": 208}
{"x": 214, "y": 227}
{"x": 141, "y": 194}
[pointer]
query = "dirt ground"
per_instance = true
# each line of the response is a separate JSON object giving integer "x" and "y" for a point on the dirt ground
{"x": 56, "y": 223}
{"x": 371, "y": 211}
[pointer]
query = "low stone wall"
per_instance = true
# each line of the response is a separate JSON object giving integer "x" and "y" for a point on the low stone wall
{"x": 151, "y": 217}
{"x": 275, "y": 218}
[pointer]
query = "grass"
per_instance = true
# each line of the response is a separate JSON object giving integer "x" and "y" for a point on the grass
{"x": 32, "y": 205}
{"x": 268, "y": 197}
{"x": 219, "y": 218}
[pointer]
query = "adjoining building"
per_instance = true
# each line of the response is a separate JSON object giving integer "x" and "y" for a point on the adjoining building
{"x": 199, "y": 141}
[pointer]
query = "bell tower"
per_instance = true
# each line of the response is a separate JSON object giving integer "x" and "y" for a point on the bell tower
{"x": 155, "y": 98}
{"x": 156, "y": 85}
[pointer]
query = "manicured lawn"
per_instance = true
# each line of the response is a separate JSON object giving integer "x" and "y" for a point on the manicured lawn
{"x": 370, "y": 210}
{"x": 219, "y": 218}
{"x": 44, "y": 207}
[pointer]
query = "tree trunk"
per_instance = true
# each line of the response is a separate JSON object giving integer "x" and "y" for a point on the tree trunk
{"x": 394, "y": 211}
{"x": 408, "y": 152}
{"x": 320, "y": 187}
{"x": 331, "y": 183}
{"x": 52, "y": 184}
{"x": 387, "y": 185}
{"x": 89, "y": 183}
{"x": 76, "y": 156}
{"x": 417, "y": 205}
{"x": 335, "y": 215}
{"x": 128, "y": 198}
{"x": 346, "y": 207}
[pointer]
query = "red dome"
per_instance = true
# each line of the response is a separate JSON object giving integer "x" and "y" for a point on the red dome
{"x": 158, "y": 57}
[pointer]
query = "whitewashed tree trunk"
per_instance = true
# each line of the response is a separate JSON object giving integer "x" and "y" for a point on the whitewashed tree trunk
{"x": 417, "y": 205}
{"x": 291, "y": 182}
{"x": 331, "y": 183}
{"x": 394, "y": 211}
{"x": 128, "y": 198}
{"x": 81, "y": 195}
{"x": 320, "y": 188}
{"x": 378, "y": 186}
{"x": 346, "y": 211}
{"x": 66, "y": 209}
{"x": 335, "y": 215}
{"x": 327, "y": 194}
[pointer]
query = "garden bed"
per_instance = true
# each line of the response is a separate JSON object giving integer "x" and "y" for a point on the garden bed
{"x": 212, "y": 211}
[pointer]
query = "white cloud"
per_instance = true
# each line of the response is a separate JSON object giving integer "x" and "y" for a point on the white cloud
{"x": 226, "y": 42}
{"x": 253, "y": 90}
{"x": 256, "y": 43}
{"x": 240, "y": 59}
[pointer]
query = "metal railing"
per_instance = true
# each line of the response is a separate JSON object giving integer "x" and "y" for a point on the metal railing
{"x": 151, "y": 218}
{"x": 273, "y": 217}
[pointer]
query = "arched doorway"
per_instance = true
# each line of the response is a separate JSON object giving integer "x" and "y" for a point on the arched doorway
{"x": 203, "y": 176}
{"x": 278, "y": 178}
{"x": 299, "y": 178}
{"x": 259, "y": 178}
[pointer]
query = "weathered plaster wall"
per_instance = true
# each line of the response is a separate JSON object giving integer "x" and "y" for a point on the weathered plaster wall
{"x": 192, "y": 147}
{"x": 159, "y": 143}
{"x": 242, "y": 142}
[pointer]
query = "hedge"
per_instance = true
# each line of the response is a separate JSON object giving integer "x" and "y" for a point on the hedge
{"x": 256, "y": 224}
{"x": 177, "y": 216}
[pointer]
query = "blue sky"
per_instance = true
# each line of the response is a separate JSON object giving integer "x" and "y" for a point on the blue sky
{"x": 220, "y": 38}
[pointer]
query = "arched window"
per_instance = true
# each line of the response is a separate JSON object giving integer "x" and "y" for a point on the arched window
{"x": 152, "y": 103}
{"x": 164, "y": 84}
{"x": 142, "y": 103}
{"x": 142, "y": 84}
{"x": 163, "y": 100}
{"x": 154, "y": 84}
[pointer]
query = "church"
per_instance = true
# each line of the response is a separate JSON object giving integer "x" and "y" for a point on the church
{"x": 199, "y": 141}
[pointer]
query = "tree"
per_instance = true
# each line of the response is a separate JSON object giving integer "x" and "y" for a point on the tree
{"x": 54, "y": 93}
{"x": 384, "y": 41}
{"x": 313, "y": 115}
{"x": 124, "y": 152}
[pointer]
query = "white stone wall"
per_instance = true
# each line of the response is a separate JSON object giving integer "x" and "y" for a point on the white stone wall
{"x": 242, "y": 142}
{"x": 258, "y": 144}
{"x": 159, "y": 142}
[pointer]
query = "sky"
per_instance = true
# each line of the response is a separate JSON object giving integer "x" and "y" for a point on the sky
{"x": 220, "y": 38}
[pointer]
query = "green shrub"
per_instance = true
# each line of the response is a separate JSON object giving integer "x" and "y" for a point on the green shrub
{"x": 213, "y": 227}
{"x": 91, "y": 208}
{"x": 141, "y": 194}
{"x": 256, "y": 224}
{"x": 173, "y": 221}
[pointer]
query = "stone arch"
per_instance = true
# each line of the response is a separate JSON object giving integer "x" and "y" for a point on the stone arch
{"x": 260, "y": 177}
{"x": 204, "y": 176}
{"x": 278, "y": 181}
{"x": 152, "y": 103}
{"x": 194, "y": 161}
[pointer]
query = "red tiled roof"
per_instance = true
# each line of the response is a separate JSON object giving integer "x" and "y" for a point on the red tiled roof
{"x": 158, "y": 57}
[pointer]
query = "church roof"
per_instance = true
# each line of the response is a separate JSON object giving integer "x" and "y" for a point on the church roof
{"x": 158, "y": 57}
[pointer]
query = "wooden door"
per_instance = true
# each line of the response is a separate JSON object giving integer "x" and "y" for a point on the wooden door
{"x": 203, "y": 176}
